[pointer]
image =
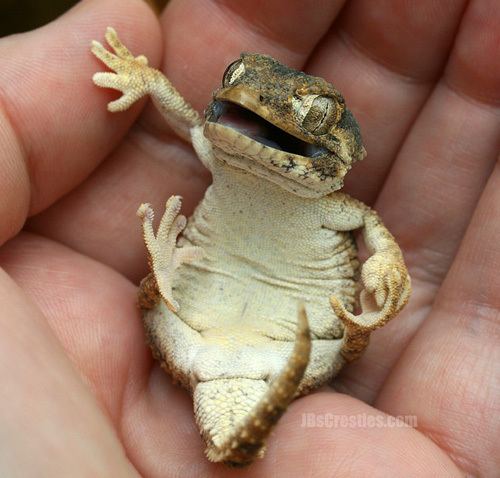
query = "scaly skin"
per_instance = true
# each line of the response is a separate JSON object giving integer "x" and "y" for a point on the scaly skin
{"x": 272, "y": 236}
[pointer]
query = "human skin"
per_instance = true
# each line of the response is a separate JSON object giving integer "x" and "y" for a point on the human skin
{"x": 80, "y": 393}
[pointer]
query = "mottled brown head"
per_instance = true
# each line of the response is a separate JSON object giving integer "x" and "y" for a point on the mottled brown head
{"x": 295, "y": 126}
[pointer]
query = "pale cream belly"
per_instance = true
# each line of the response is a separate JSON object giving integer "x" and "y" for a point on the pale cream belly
{"x": 232, "y": 294}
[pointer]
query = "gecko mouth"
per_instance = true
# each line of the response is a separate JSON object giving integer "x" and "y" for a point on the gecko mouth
{"x": 255, "y": 127}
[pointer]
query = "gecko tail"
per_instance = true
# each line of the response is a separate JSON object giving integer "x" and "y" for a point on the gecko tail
{"x": 261, "y": 406}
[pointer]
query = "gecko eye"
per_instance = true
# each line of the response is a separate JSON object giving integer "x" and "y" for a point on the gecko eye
{"x": 319, "y": 114}
{"x": 233, "y": 72}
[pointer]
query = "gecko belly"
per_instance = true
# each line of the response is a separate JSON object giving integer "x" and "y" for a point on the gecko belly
{"x": 234, "y": 294}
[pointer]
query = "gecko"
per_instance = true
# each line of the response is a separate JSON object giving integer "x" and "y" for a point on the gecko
{"x": 259, "y": 297}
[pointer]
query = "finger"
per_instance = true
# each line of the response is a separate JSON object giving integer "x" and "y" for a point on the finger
{"x": 275, "y": 28}
{"x": 313, "y": 427}
{"x": 124, "y": 102}
{"x": 172, "y": 210}
{"x": 385, "y": 57}
{"x": 108, "y": 58}
{"x": 50, "y": 423}
{"x": 433, "y": 188}
{"x": 109, "y": 80}
{"x": 114, "y": 42}
{"x": 146, "y": 213}
{"x": 389, "y": 305}
{"x": 453, "y": 145}
{"x": 405, "y": 292}
{"x": 386, "y": 293}
{"x": 380, "y": 296}
{"x": 449, "y": 373}
{"x": 151, "y": 166}
{"x": 91, "y": 309}
{"x": 53, "y": 128}
{"x": 177, "y": 227}
{"x": 337, "y": 434}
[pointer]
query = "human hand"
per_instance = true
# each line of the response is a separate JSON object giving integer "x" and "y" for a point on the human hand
{"x": 80, "y": 392}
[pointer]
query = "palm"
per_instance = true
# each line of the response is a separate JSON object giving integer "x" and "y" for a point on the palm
{"x": 425, "y": 98}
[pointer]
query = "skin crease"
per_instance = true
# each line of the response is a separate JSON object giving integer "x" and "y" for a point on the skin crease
{"x": 78, "y": 382}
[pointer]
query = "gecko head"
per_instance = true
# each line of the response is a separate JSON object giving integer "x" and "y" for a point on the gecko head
{"x": 282, "y": 124}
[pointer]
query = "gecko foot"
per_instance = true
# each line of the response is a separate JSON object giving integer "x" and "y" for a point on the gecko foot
{"x": 359, "y": 327}
{"x": 131, "y": 75}
{"x": 164, "y": 255}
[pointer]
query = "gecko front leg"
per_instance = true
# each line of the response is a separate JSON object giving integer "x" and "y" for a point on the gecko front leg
{"x": 165, "y": 257}
{"x": 135, "y": 79}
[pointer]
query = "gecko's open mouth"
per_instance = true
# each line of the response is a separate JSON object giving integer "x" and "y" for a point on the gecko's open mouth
{"x": 253, "y": 126}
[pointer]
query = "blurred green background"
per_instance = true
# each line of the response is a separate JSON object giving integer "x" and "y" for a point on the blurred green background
{"x": 23, "y": 15}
